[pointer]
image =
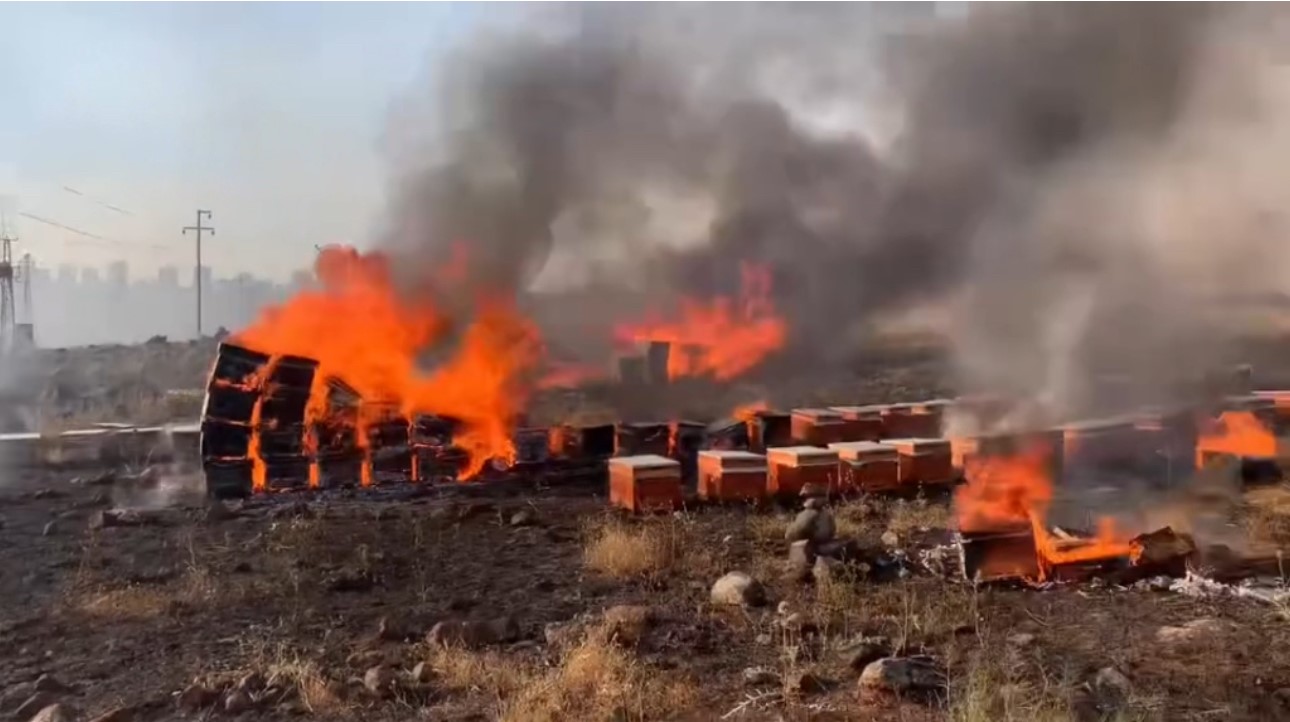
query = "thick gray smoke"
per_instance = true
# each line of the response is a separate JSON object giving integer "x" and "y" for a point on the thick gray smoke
{"x": 1077, "y": 181}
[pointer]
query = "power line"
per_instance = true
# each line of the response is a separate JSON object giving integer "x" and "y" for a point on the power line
{"x": 197, "y": 281}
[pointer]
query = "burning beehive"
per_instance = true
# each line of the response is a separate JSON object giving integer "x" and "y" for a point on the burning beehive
{"x": 901, "y": 421}
{"x": 867, "y": 466}
{"x": 732, "y": 476}
{"x": 639, "y": 438}
{"x": 793, "y": 467}
{"x": 767, "y": 429}
{"x": 817, "y": 427}
{"x": 926, "y": 462}
{"x": 645, "y": 483}
{"x": 864, "y": 423}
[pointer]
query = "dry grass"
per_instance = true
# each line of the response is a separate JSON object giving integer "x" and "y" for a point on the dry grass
{"x": 645, "y": 549}
{"x": 488, "y": 672}
{"x": 147, "y": 601}
{"x": 1266, "y": 516}
{"x": 596, "y": 680}
{"x": 315, "y": 691}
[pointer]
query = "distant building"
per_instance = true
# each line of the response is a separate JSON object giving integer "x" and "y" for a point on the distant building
{"x": 68, "y": 273}
{"x": 168, "y": 276}
{"x": 301, "y": 280}
{"x": 90, "y": 275}
{"x": 118, "y": 274}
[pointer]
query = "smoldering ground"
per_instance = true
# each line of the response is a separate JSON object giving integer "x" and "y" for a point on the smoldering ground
{"x": 1076, "y": 182}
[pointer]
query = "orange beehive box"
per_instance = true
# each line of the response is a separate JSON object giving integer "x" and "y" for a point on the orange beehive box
{"x": 924, "y": 461}
{"x": 905, "y": 421}
{"x": 867, "y": 466}
{"x": 864, "y": 423}
{"x": 793, "y": 467}
{"x": 645, "y": 483}
{"x": 732, "y": 475}
{"x": 818, "y": 427}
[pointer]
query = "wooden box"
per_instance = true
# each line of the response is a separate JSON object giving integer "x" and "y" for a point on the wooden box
{"x": 817, "y": 427}
{"x": 863, "y": 423}
{"x": 793, "y": 467}
{"x": 767, "y": 429}
{"x": 924, "y": 461}
{"x": 732, "y": 476}
{"x": 642, "y": 439}
{"x": 867, "y": 466}
{"x": 906, "y": 421}
{"x": 645, "y": 483}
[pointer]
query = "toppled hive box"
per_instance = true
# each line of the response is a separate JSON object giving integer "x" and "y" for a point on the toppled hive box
{"x": 999, "y": 555}
{"x": 793, "y": 467}
{"x": 922, "y": 461}
{"x": 817, "y": 427}
{"x": 732, "y": 476}
{"x": 867, "y": 466}
{"x": 645, "y": 483}
{"x": 864, "y": 423}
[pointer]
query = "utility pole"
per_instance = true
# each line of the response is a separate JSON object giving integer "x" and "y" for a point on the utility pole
{"x": 8, "y": 310}
{"x": 197, "y": 278}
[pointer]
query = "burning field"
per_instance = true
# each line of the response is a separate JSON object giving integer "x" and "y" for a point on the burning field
{"x": 603, "y": 424}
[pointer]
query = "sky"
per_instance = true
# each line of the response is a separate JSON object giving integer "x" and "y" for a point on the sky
{"x": 120, "y": 120}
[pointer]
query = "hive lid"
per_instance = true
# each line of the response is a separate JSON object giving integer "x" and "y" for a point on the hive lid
{"x": 731, "y": 455}
{"x": 918, "y": 444}
{"x": 852, "y": 449}
{"x": 873, "y": 410}
{"x": 645, "y": 461}
{"x": 803, "y": 455}
{"x": 818, "y": 414}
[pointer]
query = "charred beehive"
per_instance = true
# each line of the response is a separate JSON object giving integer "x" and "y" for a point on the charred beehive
{"x": 633, "y": 439}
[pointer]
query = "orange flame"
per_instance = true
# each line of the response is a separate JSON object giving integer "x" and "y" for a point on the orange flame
{"x": 361, "y": 330}
{"x": 1236, "y": 432}
{"x": 1007, "y": 492}
{"x": 570, "y": 376}
{"x": 743, "y": 412}
{"x": 721, "y": 338}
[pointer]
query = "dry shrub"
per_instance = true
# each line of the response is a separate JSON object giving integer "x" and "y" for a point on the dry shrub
{"x": 596, "y": 680}
{"x": 461, "y": 669}
{"x": 987, "y": 692}
{"x": 1267, "y": 516}
{"x": 627, "y": 551}
{"x": 314, "y": 690}
{"x": 917, "y": 514}
{"x": 138, "y": 601}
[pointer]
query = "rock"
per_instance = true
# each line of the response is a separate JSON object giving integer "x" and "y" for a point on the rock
{"x": 803, "y": 683}
{"x": 814, "y": 491}
{"x": 472, "y": 634}
{"x": 50, "y": 683}
{"x": 37, "y": 702}
{"x": 902, "y": 675}
{"x": 1195, "y": 630}
{"x": 523, "y": 517}
{"x": 395, "y": 630}
{"x": 421, "y": 673}
{"x": 238, "y": 701}
{"x": 1111, "y": 688}
{"x": 627, "y": 624}
{"x": 863, "y": 651}
{"x": 380, "y": 680}
{"x": 760, "y": 677}
{"x": 803, "y": 526}
{"x": 54, "y": 713}
{"x": 50, "y": 529}
{"x": 815, "y": 502}
{"x": 890, "y": 539}
{"x": 737, "y": 588}
{"x": 801, "y": 559}
{"x": 196, "y": 697}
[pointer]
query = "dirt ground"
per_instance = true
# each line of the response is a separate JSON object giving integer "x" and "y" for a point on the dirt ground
{"x": 298, "y": 599}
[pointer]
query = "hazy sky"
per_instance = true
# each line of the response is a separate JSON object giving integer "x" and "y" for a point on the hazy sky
{"x": 270, "y": 115}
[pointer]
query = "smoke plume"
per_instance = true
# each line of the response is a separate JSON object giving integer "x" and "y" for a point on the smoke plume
{"x": 1078, "y": 182}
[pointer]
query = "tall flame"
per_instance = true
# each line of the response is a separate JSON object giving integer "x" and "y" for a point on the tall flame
{"x": 1236, "y": 432}
{"x": 1006, "y": 492}
{"x": 722, "y": 337}
{"x": 361, "y": 330}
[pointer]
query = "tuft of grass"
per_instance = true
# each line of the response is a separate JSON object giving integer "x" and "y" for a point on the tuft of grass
{"x": 598, "y": 680}
{"x": 314, "y": 690}
{"x": 632, "y": 551}
{"x": 464, "y": 670}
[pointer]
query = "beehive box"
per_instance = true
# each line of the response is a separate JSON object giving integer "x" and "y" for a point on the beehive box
{"x": 792, "y": 467}
{"x": 1092, "y": 448}
{"x": 768, "y": 429}
{"x": 645, "y": 483}
{"x": 867, "y": 466}
{"x": 641, "y": 439}
{"x": 924, "y": 461}
{"x": 863, "y": 423}
{"x": 817, "y": 427}
{"x": 906, "y": 421}
{"x": 732, "y": 475}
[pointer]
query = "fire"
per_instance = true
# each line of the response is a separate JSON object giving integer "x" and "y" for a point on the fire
{"x": 1239, "y": 433}
{"x": 721, "y": 338}
{"x": 744, "y": 412}
{"x": 570, "y": 376}
{"x": 361, "y": 330}
{"x": 1010, "y": 492}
